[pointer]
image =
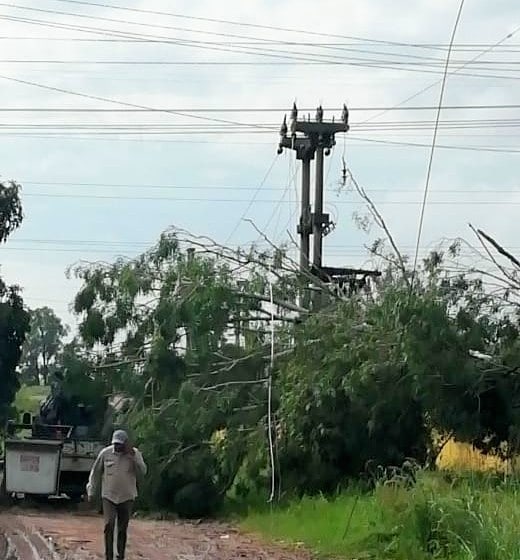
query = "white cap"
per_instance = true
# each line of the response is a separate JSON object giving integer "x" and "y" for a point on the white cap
{"x": 120, "y": 436}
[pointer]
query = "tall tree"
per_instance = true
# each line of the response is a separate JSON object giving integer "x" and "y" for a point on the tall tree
{"x": 191, "y": 349}
{"x": 14, "y": 320}
{"x": 42, "y": 345}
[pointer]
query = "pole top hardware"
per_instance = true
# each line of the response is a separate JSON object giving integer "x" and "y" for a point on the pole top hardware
{"x": 306, "y": 136}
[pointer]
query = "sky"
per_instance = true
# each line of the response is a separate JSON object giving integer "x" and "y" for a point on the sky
{"x": 212, "y": 81}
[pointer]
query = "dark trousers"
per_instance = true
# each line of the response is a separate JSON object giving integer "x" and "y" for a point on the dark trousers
{"x": 112, "y": 513}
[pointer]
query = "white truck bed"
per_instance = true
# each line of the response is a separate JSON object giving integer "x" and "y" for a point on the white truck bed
{"x": 32, "y": 466}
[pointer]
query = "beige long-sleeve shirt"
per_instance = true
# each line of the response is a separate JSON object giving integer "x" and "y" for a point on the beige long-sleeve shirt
{"x": 117, "y": 473}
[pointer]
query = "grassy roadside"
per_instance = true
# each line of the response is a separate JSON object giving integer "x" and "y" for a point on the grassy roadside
{"x": 334, "y": 527}
{"x": 471, "y": 518}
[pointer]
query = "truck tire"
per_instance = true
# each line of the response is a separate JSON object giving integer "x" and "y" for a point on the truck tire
{"x": 76, "y": 497}
{"x": 3, "y": 492}
{"x": 5, "y": 498}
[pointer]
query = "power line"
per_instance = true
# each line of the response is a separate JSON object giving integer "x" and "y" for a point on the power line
{"x": 434, "y": 142}
{"x": 154, "y": 39}
{"x": 244, "y": 24}
{"x": 260, "y": 52}
{"x": 118, "y": 102}
{"x": 60, "y": 250}
{"x": 75, "y": 196}
{"x": 174, "y": 41}
{"x": 253, "y": 199}
{"x": 462, "y": 47}
{"x": 148, "y": 186}
{"x": 512, "y": 47}
{"x": 390, "y": 189}
{"x": 131, "y": 248}
{"x": 290, "y": 179}
{"x": 456, "y": 71}
{"x": 154, "y": 25}
{"x": 262, "y": 127}
{"x": 157, "y": 38}
{"x": 260, "y": 41}
{"x": 93, "y": 138}
{"x": 346, "y": 62}
{"x": 442, "y": 245}
{"x": 132, "y": 252}
{"x": 249, "y": 128}
{"x": 185, "y": 42}
{"x": 347, "y": 47}
{"x": 373, "y": 142}
{"x": 252, "y": 109}
{"x": 80, "y": 244}
{"x": 439, "y": 146}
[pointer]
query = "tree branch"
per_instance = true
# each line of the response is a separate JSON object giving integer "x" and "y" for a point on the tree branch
{"x": 498, "y": 247}
{"x": 285, "y": 304}
{"x": 481, "y": 236}
{"x": 231, "y": 383}
{"x": 381, "y": 223}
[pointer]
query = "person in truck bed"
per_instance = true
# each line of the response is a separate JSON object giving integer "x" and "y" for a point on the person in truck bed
{"x": 116, "y": 470}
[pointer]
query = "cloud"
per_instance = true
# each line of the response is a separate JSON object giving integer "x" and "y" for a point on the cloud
{"x": 203, "y": 163}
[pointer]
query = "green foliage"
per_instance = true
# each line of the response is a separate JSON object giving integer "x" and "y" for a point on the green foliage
{"x": 360, "y": 385}
{"x": 319, "y": 523}
{"x": 80, "y": 382}
{"x": 473, "y": 520}
{"x": 195, "y": 392}
{"x": 42, "y": 345}
{"x": 14, "y": 320}
{"x": 28, "y": 398}
{"x": 14, "y": 323}
{"x": 371, "y": 380}
{"x": 348, "y": 398}
{"x": 11, "y": 214}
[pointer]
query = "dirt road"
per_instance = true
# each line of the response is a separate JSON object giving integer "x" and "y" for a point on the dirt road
{"x": 67, "y": 536}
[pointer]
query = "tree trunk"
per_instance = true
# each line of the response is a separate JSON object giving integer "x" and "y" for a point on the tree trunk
{"x": 45, "y": 369}
{"x": 36, "y": 376}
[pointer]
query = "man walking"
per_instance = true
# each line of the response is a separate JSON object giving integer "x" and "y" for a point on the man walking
{"x": 116, "y": 468}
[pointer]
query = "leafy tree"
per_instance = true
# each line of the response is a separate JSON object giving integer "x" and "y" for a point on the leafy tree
{"x": 347, "y": 396}
{"x": 42, "y": 345}
{"x": 14, "y": 320}
{"x": 366, "y": 380}
{"x": 373, "y": 379}
{"x": 11, "y": 214}
{"x": 175, "y": 314}
{"x": 82, "y": 382}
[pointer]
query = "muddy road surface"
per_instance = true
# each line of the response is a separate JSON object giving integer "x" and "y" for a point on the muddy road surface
{"x": 58, "y": 535}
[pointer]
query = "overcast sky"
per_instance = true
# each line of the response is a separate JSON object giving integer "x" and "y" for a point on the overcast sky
{"x": 206, "y": 171}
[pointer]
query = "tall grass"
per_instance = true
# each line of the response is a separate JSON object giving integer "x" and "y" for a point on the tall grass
{"x": 318, "y": 523}
{"x": 471, "y": 518}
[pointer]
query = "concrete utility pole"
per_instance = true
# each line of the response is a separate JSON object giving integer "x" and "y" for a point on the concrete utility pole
{"x": 315, "y": 139}
{"x": 319, "y": 220}
{"x": 305, "y": 152}
{"x": 310, "y": 140}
